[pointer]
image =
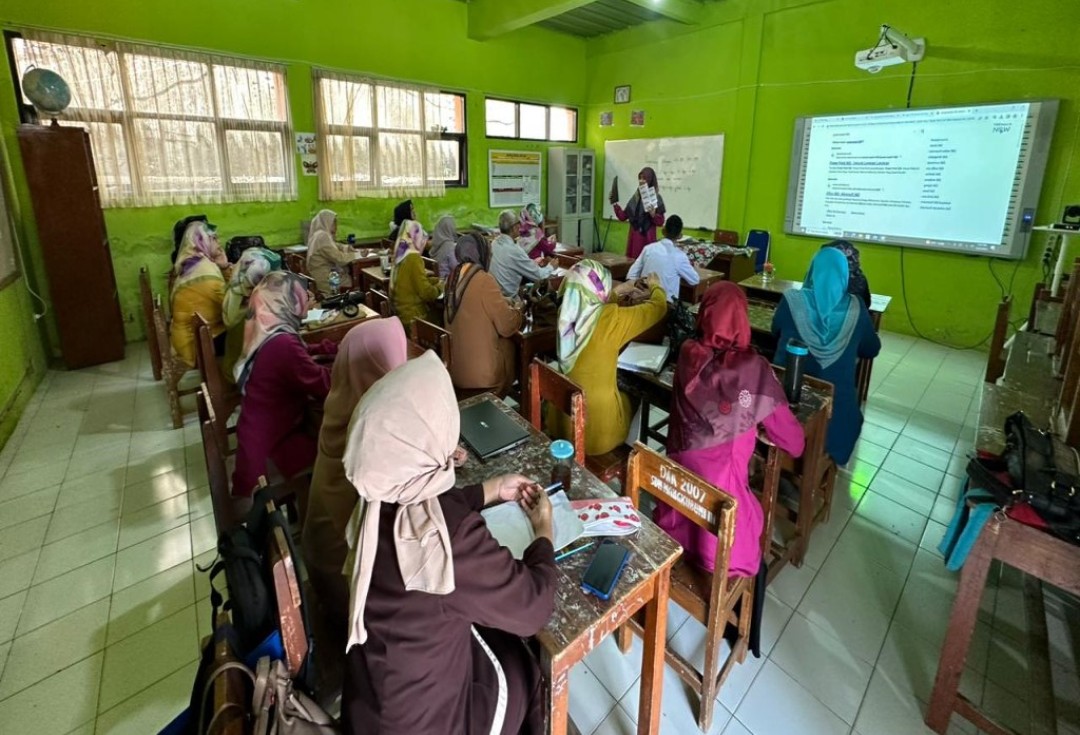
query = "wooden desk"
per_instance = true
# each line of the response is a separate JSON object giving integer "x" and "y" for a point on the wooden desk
{"x": 373, "y": 277}
{"x": 335, "y": 327}
{"x": 574, "y": 252}
{"x": 773, "y": 290}
{"x": 619, "y": 265}
{"x": 581, "y": 622}
{"x": 1038, "y": 554}
{"x": 813, "y": 413}
{"x": 693, "y": 294}
{"x": 1030, "y": 365}
{"x": 359, "y": 263}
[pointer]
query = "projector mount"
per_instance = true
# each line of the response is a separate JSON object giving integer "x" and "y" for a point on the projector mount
{"x": 892, "y": 47}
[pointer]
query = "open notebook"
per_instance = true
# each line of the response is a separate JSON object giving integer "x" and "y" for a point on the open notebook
{"x": 512, "y": 529}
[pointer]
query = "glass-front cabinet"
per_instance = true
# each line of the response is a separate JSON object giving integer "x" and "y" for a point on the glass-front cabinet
{"x": 571, "y": 185}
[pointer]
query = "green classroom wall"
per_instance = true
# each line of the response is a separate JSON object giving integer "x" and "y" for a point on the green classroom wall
{"x": 413, "y": 40}
{"x": 755, "y": 65}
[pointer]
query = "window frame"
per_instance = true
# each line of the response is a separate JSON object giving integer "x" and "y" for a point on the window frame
{"x": 548, "y": 107}
{"x": 373, "y": 132}
{"x": 140, "y": 193}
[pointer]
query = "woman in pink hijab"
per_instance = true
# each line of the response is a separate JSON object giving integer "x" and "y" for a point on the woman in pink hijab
{"x": 368, "y": 352}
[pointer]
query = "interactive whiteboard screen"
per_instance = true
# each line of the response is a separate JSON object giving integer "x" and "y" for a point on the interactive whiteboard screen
{"x": 962, "y": 179}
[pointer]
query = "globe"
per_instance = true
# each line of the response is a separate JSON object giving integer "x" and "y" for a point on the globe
{"x": 47, "y": 90}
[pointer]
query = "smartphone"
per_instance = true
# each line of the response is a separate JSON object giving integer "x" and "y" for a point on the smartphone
{"x": 605, "y": 569}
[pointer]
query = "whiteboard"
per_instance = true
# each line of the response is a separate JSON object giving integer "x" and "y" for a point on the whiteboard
{"x": 687, "y": 170}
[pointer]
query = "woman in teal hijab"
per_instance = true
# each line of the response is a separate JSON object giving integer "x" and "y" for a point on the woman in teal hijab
{"x": 836, "y": 328}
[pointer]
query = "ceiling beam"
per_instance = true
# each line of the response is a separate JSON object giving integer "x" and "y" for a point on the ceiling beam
{"x": 491, "y": 18}
{"x": 683, "y": 11}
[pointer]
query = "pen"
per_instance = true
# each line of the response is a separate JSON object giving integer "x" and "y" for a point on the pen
{"x": 553, "y": 488}
{"x": 576, "y": 550}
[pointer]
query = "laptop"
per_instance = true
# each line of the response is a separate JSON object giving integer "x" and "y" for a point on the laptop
{"x": 489, "y": 432}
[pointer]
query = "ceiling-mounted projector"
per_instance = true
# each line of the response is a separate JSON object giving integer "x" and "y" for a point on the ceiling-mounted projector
{"x": 893, "y": 47}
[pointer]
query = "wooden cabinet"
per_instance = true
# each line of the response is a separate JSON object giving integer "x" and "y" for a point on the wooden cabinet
{"x": 71, "y": 227}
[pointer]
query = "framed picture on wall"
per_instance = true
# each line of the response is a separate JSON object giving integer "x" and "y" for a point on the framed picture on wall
{"x": 622, "y": 95}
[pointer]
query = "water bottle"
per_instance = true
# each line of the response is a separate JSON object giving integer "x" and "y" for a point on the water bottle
{"x": 793, "y": 373}
{"x": 562, "y": 453}
{"x": 335, "y": 281}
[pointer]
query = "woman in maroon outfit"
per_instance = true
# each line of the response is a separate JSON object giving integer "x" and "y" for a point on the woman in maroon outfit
{"x": 279, "y": 380}
{"x": 643, "y": 222}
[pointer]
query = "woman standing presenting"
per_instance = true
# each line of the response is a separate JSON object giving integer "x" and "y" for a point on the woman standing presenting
{"x": 643, "y": 222}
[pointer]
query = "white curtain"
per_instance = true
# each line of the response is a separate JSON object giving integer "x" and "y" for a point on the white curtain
{"x": 378, "y": 139}
{"x": 169, "y": 126}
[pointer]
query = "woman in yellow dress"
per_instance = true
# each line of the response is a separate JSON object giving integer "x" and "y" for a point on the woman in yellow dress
{"x": 199, "y": 289}
{"x": 413, "y": 292}
{"x": 593, "y": 329}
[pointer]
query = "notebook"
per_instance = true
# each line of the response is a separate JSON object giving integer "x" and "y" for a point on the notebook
{"x": 644, "y": 358}
{"x": 510, "y": 526}
{"x": 488, "y": 431}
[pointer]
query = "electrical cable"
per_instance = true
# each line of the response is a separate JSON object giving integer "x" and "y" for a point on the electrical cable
{"x": 1000, "y": 285}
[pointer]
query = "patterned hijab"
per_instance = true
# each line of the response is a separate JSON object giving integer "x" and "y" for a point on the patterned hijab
{"x": 824, "y": 313}
{"x": 473, "y": 255}
{"x": 411, "y": 239}
{"x": 277, "y": 306}
{"x": 637, "y": 216}
{"x": 252, "y": 267}
{"x": 723, "y": 388}
{"x": 319, "y": 235}
{"x": 585, "y": 290}
{"x": 443, "y": 242}
{"x": 399, "y": 450}
{"x": 200, "y": 256}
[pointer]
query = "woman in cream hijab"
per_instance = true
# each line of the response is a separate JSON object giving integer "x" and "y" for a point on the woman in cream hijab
{"x": 324, "y": 253}
{"x": 437, "y": 606}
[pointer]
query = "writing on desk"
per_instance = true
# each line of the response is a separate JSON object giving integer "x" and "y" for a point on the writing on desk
{"x": 686, "y": 492}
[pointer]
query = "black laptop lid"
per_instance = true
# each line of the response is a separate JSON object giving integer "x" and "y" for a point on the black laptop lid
{"x": 488, "y": 431}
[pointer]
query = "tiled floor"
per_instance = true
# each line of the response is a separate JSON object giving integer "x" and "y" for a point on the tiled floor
{"x": 104, "y": 514}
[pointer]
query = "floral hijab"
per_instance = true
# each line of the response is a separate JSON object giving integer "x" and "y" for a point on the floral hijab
{"x": 253, "y": 266}
{"x": 200, "y": 256}
{"x": 277, "y": 306}
{"x": 585, "y": 290}
{"x": 411, "y": 239}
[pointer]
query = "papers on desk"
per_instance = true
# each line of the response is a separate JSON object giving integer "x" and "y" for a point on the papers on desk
{"x": 616, "y": 517}
{"x": 644, "y": 358}
{"x": 315, "y": 315}
{"x": 510, "y": 526}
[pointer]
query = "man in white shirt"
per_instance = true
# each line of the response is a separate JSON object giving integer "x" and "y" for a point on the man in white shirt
{"x": 510, "y": 264}
{"x": 666, "y": 261}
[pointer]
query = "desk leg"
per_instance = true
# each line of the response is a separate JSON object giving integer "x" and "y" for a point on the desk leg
{"x": 965, "y": 611}
{"x": 652, "y": 661}
{"x": 558, "y": 697}
{"x": 643, "y": 430}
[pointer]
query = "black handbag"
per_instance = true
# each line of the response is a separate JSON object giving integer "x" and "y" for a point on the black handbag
{"x": 1029, "y": 459}
{"x": 237, "y": 245}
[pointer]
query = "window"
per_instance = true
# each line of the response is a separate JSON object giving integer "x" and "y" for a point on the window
{"x": 386, "y": 139}
{"x": 506, "y": 119}
{"x": 170, "y": 126}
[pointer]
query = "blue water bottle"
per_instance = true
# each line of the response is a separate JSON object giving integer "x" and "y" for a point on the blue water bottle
{"x": 335, "y": 281}
{"x": 793, "y": 370}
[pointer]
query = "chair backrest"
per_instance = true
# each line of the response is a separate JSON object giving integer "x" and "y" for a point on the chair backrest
{"x": 430, "y": 265}
{"x": 379, "y": 302}
{"x": 289, "y": 602}
{"x": 567, "y": 261}
{"x": 146, "y": 297}
{"x": 550, "y": 385}
{"x": 759, "y": 239}
{"x": 213, "y": 380}
{"x": 161, "y": 327}
{"x": 995, "y": 361}
{"x": 1066, "y": 330}
{"x": 431, "y": 337}
{"x": 296, "y": 263}
{"x": 692, "y": 497}
{"x": 726, "y": 237}
{"x": 217, "y": 471}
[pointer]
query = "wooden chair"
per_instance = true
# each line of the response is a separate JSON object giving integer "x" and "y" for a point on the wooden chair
{"x": 550, "y": 385}
{"x": 223, "y": 396}
{"x": 217, "y": 471}
{"x": 377, "y": 301}
{"x": 714, "y": 600}
{"x": 726, "y": 237}
{"x": 428, "y": 336}
{"x": 287, "y": 592}
{"x": 296, "y": 263}
{"x": 232, "y": 689}
{"x": 173, "y": 369}
{"x": 995, "y": 362}
{"x": 146, "y": 296}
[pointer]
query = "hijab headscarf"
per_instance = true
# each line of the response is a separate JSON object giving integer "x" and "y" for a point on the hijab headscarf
{"x": 639, "y": 219}
{"x": 443, "y": 242}
{"x": 319, "y": 237}
{"x": 180, "y": 228}
{"x": 200, "y": 256}
{"x": 402, "y": 212}
{"x": 411, "y": 239}
{"x": 252, "y": 267}
{"x": 585, "y": 290}
{"x": 399, "y": 449}
{"x": 277, "y": 306}
{"x": 722, "y": 388}
{"x": 473, "y": 255}
{"x": 857, "y": 283}
{"x": 823, "y": 311}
